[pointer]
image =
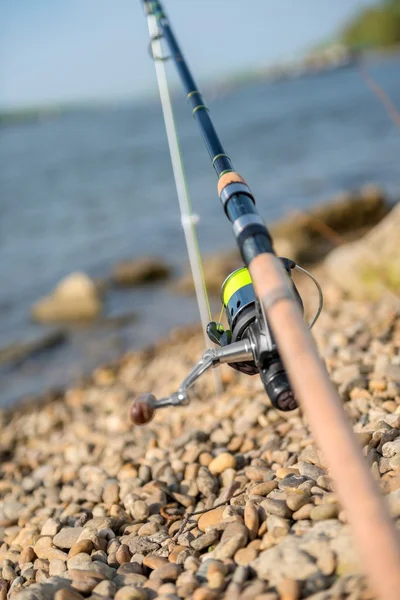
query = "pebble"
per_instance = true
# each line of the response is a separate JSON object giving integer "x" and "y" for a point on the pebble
{"x": 68, "y": 593}
{"x": 67, "y": 537}
{"x": 296, "y": 501}
{"x": 258, "y": 473}
{"x": 122, "y": 494}
{"x": 206, "y": 482}
{"x": 130, "y": 593}
{"x": 206, "y": 540}
{"x": 311, "y": 471}
{"x": 168, "y": 572}
{"x": 140, "y": 510}
{"x": 154, "y": 562}
{"x": 264, "y": 488}
{"x": 234, "y": 537}
{"x": 205, "y": 594}
{"x": 111, "y": 493}
{"x": 324, "y": 511}
{"x": 210, "y": 519}
{"x": 289, "y": 589}
{"x": 50, "y": 527}
{"x": 105, "y": 588}
{"x": 251, "y": 519}
{"x": 276, "y": 507}
{"x": 84, "y": 546}
{"x": 244, "y": 556}
{"x": 56, "y": 567}
{"x": 303, "y": 512}
{"x": 27, "y": 555}
{"x": 283, "y": 472}
{"x": 222, "y": 462}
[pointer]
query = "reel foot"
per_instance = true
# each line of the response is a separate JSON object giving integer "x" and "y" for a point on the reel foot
{"x": 142, "y": 409}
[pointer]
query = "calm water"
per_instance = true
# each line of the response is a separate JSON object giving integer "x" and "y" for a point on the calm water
{"x": 86, "y": 189}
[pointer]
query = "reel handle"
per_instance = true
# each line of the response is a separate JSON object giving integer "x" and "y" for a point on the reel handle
{"x": 143, "y": 409}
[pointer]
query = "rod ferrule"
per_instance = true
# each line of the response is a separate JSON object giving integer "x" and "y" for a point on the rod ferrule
{"x": 246, "y": 221}
{"x": 231, "y": 190}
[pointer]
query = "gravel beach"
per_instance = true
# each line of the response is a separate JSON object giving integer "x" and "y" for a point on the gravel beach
{"x": 92, "y": 507}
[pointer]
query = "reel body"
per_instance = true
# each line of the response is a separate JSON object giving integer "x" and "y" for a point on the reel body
{"x": 247, "y": 346}
{"x": 246, "y": 321}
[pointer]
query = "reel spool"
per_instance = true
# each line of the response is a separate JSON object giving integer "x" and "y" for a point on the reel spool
{"x": 247, "y": 345}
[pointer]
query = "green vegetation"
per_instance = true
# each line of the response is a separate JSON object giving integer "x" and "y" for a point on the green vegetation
{"x": 374, "y": 27}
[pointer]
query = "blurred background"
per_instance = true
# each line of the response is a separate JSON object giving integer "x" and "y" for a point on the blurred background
{"x": 303, "y": 96}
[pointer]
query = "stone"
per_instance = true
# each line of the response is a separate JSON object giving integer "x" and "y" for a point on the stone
{"x": 154, "y": 562}
{"x": 367, "y": 268}
{"x": 75, "y": 298}
{"x": 168, "y": 572}
{"x": 289, "y": 589}
{"x": 123, "y": 554}
{"x": 205, "y": 594}
{"x": 67, "y": 593}
{"x": 67, "y": 537}
{"x": 284, "y": 561}
{"x": 130, "y": 593}
{"x": 391, "y": 448}
{"x": 210, "y": 518}
{"x": 311, "y": 471}
{"x": 140, "y": 510}
{"x": 140, "y": 270}
{"x": 42, "y": 547}
{"x": 27, "y": 555}
{"x": 206, "y": 540}
{"x": 264, "y": 488}
{"x": 105, "y": 588}
{"x": 251, "y": 519}
{"x": 111, "y": 493}
{"x": 222, "y": 462}
{"x": 84, "y": 546}
{"x": 57, "y": 567}
{"x": 206, "y": 482}
{"x": 303, "y": 512}
{"x": 234, "y": 537}
{"x": 81, "y": 560}
{"x": 296, "y": 501}
{"x": 276, "y": 507}
{"x": 324, "y": 511}
{"x": 244, "y": 556}
{"x": 50, "y": 527}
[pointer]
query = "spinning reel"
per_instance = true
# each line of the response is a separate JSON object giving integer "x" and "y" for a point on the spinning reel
{"x": 247, "y": 346}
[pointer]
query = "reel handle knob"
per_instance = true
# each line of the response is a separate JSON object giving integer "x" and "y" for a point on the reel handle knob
{"x": 142, "y": 409}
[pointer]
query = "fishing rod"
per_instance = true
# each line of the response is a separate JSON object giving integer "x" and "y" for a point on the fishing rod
{"x": 268, "y": 336}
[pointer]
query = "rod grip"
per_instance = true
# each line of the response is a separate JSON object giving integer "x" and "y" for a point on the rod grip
{"x": 374, "y": 532}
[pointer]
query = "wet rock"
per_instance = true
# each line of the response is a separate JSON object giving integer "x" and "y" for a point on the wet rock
{"x": 139, "y": 271}
{"x": 368, "y": 268}
{"x": 75, "y": 298}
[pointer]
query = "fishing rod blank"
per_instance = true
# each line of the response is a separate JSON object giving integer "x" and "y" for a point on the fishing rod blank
{"x": 266, "y": 322}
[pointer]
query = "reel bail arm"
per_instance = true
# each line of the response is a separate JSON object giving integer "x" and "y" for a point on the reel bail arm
{"x": 144, "y": 407}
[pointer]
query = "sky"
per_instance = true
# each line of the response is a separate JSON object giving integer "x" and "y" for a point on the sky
{"x": 67, "y": 51}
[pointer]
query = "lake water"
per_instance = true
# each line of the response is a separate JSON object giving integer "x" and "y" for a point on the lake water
{"x": 82, "y": 190}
